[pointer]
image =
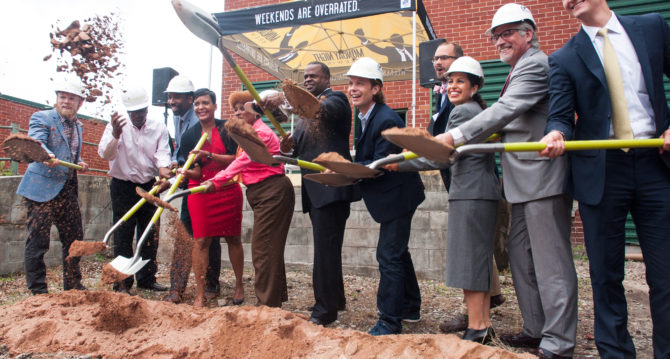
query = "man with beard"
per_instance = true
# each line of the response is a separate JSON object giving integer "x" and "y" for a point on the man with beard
{"x": 51, "y": 191}
{"x": 136, "y": 154}
{"x": 328, "y": 207}
{"x": 180, "y": 99}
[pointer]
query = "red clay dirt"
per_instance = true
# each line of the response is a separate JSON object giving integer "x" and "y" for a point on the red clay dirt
{"x": 82, "y": 248}
{"x": 114, "y": 325}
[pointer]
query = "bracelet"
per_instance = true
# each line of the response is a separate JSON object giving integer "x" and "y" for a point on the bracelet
{"x": 209, "y": 156}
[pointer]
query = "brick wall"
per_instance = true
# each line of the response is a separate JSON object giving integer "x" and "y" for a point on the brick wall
{"x": 18, "y": 111}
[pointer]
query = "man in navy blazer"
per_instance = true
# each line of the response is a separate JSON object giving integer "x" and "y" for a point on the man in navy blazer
{"x": 445, "y": 54}
{"x": 391, "y": 200}
{"x": 50, "y": 190}
{"x": 610, "y": 183}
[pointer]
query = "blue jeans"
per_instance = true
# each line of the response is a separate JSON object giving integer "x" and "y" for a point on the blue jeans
{"x": 398, "y": 295}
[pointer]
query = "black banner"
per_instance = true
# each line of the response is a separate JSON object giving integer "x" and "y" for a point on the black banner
{"x": 310, "y": 12}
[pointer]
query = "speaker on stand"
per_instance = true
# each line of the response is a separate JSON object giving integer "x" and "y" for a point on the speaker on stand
{"x": 161, "y": 79}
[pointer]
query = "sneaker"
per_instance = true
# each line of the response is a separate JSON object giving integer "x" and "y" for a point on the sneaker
{"x": 381, "y": 329}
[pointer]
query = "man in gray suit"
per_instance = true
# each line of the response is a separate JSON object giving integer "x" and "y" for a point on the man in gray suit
{"x": 539, "y": 241}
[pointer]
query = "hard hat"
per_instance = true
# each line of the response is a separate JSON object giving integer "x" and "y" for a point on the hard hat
{"x": 135, "y": 98}
{"x": 180, "y": 84}
{"x": 368, "y": 68}
{"x": 70, "y": 84}
{"x": 511, "y": 13}
{"x": 468, "y": 65}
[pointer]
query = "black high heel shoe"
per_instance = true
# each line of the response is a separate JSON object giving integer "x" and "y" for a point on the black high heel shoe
{"x": 482, "y": 336}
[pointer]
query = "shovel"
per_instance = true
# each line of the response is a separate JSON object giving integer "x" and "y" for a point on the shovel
{"x": 23, "y": 148}
{"x": 256, "y": 152}
{"x": 353, "y": 170}
{"x": 539, "y": 146}
{"x": 130, "y": 266}
{"x": 203, "y": 25}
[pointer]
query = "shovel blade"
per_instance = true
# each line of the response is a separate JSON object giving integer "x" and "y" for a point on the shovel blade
{"x": 200, "y": 22}
{"x": 127, "y": 266}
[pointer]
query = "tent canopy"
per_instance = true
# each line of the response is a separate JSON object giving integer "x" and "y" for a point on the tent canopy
{"x": 283, "y": 38}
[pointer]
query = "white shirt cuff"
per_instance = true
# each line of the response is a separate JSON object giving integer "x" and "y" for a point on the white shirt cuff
{"x": 457, "y": 135}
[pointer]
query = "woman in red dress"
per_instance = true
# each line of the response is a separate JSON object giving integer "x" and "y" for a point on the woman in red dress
{"x": 216, "y": 214}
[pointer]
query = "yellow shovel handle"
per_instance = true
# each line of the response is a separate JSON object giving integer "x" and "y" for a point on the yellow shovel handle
{"x": 180, "y": 177}
{"x": 585, "y": 145}
{"x": 68, "y": 165}
{"x": 311, "y": 166}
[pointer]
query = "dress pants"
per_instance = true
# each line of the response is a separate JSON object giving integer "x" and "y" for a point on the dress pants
{"x": 328, "y": 223}
{"x": 272, "y": 202}
{"x": 543, "y": 271}
{"x": 398, "y": 295}
{"x": 63, "y": 211}
{"x": 180, "y": 267}
{"x": 637, "y": 181}
{"x": 124, "y": 198}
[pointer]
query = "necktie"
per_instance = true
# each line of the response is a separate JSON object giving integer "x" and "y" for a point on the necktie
{"x": 620, "y": 120}
{"x": 502, "y": 92}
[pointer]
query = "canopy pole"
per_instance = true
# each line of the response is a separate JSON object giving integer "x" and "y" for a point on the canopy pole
{"x": 413, "y": 68}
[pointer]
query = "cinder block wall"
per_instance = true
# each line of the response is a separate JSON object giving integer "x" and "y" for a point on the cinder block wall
{"x": 96, "y": 215}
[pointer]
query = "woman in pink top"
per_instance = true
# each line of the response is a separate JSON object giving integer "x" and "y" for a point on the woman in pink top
{"x": 271, "y": 198}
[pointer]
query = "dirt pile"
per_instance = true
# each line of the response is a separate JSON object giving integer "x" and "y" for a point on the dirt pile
{"x": 117, "y": 325}
{"x": 91, "y": 50}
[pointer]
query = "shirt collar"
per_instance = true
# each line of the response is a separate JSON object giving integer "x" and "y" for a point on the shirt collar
{"x": 365, "y": 117}
{"x": 612, "y": 25}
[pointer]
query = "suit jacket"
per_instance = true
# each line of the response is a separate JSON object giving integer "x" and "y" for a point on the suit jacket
{"x": 578, "y": 84}
{"x": 393, "y": 194}
{"x": 328, "y": 134}
{"x": 41, "y": 183}
{"x": 190, "y": 119}
{"x": 438, "y": 125}
{"x": 520, "y": 115}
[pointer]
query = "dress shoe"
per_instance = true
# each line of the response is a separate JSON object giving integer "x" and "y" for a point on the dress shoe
{"x": 122, "y": 290}
{"x": 238, "y": 301}
{"x": 520, "y": 340}
{"x": 173, "y": 297}
{"x": 382, "y": 328}
{"x": 456, "y": 324}
{"x": 497, "y": 300}
{"x": 545, "y": 354}
{"x": 155, "y": 286}
{"x": 320, "y": 322}
{"x": 211, "y": 295}
{"x": 77, "y": 286}
{"x": 481, "y": 336}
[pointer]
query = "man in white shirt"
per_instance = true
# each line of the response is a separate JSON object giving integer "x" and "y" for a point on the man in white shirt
{"x": 136, "y": 154}
{"x": 611, "y": 75}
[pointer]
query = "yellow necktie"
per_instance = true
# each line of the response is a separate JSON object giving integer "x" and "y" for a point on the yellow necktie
{"x": 620, "y": 120}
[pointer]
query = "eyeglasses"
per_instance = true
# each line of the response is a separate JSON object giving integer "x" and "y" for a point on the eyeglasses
{"x": 443, "y": 58}
{"x": 504, "y": 34}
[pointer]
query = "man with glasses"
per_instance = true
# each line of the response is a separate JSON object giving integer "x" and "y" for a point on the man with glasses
{"x": 539, "y": 242}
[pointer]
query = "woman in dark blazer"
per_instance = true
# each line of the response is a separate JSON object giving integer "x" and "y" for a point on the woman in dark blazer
{"x": 391, "y": 200}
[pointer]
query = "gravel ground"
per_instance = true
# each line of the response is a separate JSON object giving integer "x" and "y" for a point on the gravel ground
{"x": 439, "y": 302}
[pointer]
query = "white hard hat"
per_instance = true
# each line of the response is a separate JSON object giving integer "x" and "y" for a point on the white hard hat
{"x": 135, "y": 98}
{"x": 368, "y": 68}
{"x": 511, "y": 13}
{"x": 180, "y": 84}
{"x": 468, "y": 65}
{"x": 70, "y": 84}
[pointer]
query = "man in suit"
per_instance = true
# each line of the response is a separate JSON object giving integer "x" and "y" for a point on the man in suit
{"x": 328, "y": 207}
{"x": 51, "y": 191}
{"x": 180, "y": 99}
{"x": 391, "y": 200}
{"x": 616, "y": 60}
{"x": 444, "y": 56}
{"x": 539, "y": 241}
